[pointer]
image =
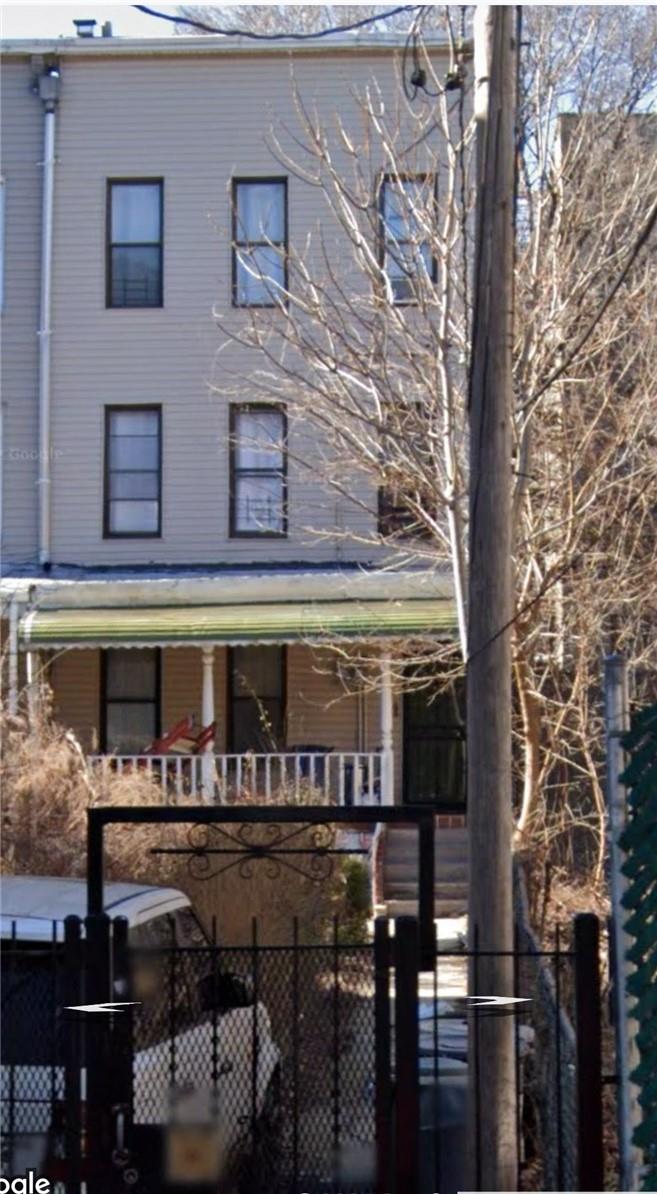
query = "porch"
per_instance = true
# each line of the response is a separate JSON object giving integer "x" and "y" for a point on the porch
{"x": 287, "y": 717}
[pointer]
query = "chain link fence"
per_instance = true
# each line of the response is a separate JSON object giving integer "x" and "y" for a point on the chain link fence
{"x": 550, "y": 1079}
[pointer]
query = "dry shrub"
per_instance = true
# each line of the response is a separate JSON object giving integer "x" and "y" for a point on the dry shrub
{"x": 46, "y": 791}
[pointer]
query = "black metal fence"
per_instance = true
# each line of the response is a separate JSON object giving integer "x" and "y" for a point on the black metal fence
{"x": 305, "y": 1067}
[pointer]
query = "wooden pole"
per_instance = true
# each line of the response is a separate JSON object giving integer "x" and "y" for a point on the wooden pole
{"x": 491, "y": 602}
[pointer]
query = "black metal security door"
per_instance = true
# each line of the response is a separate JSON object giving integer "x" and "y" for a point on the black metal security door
{"x": 434, "y": 750}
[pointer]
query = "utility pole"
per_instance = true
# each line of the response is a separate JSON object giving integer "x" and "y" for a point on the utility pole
{"x": 490, "y": 907}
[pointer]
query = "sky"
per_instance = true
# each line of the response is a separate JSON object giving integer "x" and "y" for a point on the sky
{"x": 56, "y": 20}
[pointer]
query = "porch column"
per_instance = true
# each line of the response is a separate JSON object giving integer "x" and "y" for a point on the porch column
{"x": 13, "y": 657}
{"x": 207, "y": 717}
{"x": 387, "y": 713}
{"x": 33, "y": 680}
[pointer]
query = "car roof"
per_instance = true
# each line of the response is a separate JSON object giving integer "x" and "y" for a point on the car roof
{"x": 33, "y": 903}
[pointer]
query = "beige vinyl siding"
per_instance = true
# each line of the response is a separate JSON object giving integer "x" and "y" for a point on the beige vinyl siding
{"x": 194, "y": 122}
{"x": 75, "y": 680}
{"x": 21, "y": 153}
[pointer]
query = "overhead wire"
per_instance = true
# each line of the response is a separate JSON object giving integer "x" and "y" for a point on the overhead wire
{"x": 253, "y": 36}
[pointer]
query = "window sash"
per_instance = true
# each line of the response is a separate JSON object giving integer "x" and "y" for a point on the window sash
{"x": 133, "y": 490}
{"x": 402, "y": 254}
{"x": 130, "y": 703}
{"x": 258, "y": 467}
{"x": 123, "y": 288}
{"x": 265, "y": 251}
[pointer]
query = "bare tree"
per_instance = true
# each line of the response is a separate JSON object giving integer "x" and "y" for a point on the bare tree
{"x": 367, "y": 341}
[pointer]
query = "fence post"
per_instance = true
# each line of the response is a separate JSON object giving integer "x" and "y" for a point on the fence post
{"x": 407, "y": 1086}
{"x": 121, "y": 1033}
{"x": 382, "y": 1074}
{"x": 426, "y": 906}
{"x": 590, "y": 1154}
{"x": 72, "y": 1053}
{"x": 97, "y": 1026}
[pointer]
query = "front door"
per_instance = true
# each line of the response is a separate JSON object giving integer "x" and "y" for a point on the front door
{"x": 434, "y": 747}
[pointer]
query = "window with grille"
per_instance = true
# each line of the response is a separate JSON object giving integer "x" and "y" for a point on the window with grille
{"x": 134, "y": 243}
{"x": 133, "y": 472}
{"x": 259, "y": 241}
{"x": 258, "y": 503}
{"x": 130, "y": 699}
{"x": 407, "y": 208}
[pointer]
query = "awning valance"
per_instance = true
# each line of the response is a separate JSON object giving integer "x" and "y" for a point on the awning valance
{"x": 275, "y": 622}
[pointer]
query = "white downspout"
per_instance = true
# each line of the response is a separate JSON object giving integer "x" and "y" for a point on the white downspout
{"x": 48, "y": 90}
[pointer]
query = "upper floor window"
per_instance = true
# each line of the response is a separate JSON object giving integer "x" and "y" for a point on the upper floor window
{"x": 133, "y": 472}
{"x": 259, "y": 241}
{"x": 408, "y": 493}
{"x": 258, "y": 471}
{"x": 134, "y": 243}
{"x": 407, "y": 215}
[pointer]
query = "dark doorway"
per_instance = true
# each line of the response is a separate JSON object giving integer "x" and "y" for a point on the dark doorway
{"x": 256, "y": 699}
{"x": 434, "y": 747}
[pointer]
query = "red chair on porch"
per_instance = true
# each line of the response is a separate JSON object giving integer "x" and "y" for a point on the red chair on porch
{"x": 181, "y": 739}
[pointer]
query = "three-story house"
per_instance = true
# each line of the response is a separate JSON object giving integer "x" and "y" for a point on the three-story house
{"x": 158, "y": 568}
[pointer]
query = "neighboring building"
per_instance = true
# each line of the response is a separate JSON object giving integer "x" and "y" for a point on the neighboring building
{"x": 156, "y": 558}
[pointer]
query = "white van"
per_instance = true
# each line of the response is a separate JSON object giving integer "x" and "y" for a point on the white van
{"x": 214, "y": 1031}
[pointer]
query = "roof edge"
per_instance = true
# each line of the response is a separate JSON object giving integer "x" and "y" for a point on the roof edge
{"x": 181, "y": 46}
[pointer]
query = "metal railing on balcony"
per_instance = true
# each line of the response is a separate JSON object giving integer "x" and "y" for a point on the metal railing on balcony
{"x": 337, "y": 777}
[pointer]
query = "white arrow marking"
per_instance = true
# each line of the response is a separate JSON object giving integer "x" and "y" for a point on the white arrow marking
{"x": 99, "y": 1007}
{"x": 495, "y": 1000}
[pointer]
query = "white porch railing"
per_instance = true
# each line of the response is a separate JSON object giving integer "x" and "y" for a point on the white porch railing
{"x": 340, "y": 777}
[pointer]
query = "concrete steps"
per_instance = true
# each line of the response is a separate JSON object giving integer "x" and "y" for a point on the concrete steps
{"x": 400, "y": 867}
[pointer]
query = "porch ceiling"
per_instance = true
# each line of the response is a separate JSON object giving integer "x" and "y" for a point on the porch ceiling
{"x": 281, "y": 622}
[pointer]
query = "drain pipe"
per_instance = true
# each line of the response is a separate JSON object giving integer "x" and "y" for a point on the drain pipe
{"x": 48, "y": 92}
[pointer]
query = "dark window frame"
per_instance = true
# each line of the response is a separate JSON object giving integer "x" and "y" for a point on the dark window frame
{"x": 129, "y": 408}
{"x": 384, "y": 180}
{"x": 230, "y": 691}
{"x": 395, "y": 520}
{"x": 110, "y": 244}
{"x": 104, "y": 701}
{"x": 237, "y": 243}
{"x": 235, "y": 409}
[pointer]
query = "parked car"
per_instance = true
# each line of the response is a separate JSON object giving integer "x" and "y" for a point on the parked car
{"x": 208, "y": 1025}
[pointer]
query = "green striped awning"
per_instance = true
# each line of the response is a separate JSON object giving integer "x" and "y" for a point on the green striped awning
{"x": 275, "y": 622}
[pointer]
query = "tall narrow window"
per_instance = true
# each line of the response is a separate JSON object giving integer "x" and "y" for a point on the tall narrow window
{"x": 134, "y": 243}
{"x": 133, "y": 472}
{"x": 259, "y": 241}
{"x": 257, "y": 698}
{"x": 407, "y": 214}
{"x": 130, "y": 699}
{"x": 258, "y": 471}
{"x": 409, "y": 492}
